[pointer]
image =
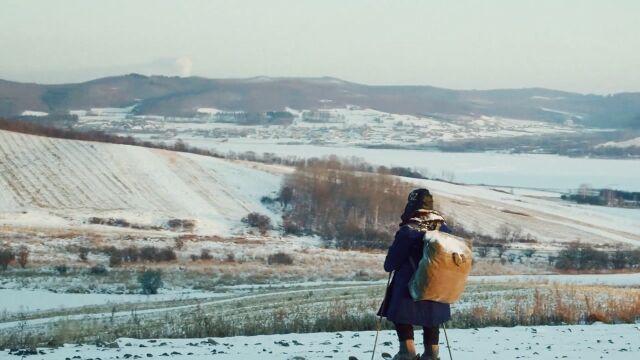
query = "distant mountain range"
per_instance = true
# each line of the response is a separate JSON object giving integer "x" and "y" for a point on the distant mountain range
{"x": 176, "y": 96}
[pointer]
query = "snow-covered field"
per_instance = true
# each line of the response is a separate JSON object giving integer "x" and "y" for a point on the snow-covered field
{"x": 55, "y": 185}
{"x": 586, "y": 342}
{"x": 551, "y": 220}
{"x": 28, "y": 301}
{"x": 60, "y": 184}
{"x": 17, "y": 300}
{"x": 624, "y": 280}
{"x": 266, "y": 310}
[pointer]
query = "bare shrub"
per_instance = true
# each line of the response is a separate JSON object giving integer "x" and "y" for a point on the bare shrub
{"x": 109, "y": 222}
{"x": 581, "y": 257}
{"x": 115, "y": 260}
{"x": 259, "y": 221}
{"x": 504, "y": 232}
{"x": 6, "y": 257}
{"x": 181, "y": 225}
{"x": 483, "y": 251}
{"x": 152, "y": 253}
{"x": 133, "y": 254}
{"x": 83, "y": 253}
{"x": 289, "y": 226}
{"x": 280, "y": 258}
{"x": 286, "y": 195}
{"x": 98, "y": 270}
{"x": 528, "y": 238}
{"x": 150, "y": 281}
{"x": 205, "y": 255}
{"x": 61, "y": 269}
{"x": 23, "y": 256}
{"x": 120, "y": 223}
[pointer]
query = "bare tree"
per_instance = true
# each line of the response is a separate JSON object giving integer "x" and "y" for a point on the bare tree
{"x": 584, "y": 190}
{"x": 504, "y": 232}
{"x": 23, "y": 256}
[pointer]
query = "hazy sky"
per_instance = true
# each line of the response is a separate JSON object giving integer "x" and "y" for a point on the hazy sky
{"x": 578, "y": 45}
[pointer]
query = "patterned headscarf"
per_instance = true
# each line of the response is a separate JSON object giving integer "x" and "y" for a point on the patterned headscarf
{"x": 419, "y": 199}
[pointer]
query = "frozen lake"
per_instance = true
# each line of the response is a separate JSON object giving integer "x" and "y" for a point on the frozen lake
{"x": 517, "y": 170}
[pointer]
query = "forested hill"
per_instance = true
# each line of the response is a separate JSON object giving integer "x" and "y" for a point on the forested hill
{"x": 176, "y": 96}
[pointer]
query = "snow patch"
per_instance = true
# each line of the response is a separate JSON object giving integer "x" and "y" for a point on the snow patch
{"x": 209, "y": 111}
{"x": 34, "y": 113}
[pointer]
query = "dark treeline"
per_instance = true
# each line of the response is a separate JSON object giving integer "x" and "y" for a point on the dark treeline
{"x": 25, "y": 127}
{"x": 574, "y": 145}
{"x": 605, "y": 197}
{"x": 347, "y": 203}
{"x": 133, "y": 254}
{"x": 584, "y": 257}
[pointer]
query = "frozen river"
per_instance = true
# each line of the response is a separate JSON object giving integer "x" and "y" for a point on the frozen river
{"x": 517, "y": 170}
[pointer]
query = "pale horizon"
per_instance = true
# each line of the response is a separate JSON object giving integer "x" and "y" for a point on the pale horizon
{"x": 576, "y": 46}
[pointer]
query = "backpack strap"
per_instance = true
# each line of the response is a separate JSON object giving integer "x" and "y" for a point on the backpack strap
{"x": 413, "y": 263}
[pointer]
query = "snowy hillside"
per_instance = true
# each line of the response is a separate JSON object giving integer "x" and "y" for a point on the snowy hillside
{"x": 486, "y": 209}
{"x": 53, "y": 183}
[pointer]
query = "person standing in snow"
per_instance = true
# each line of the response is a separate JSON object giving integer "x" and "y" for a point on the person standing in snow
{"x": 398, "y": 306}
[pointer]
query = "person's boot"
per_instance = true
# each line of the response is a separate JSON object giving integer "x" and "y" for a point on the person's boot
{"x": 431, "y": 352}
{"x": 407, "y": 351}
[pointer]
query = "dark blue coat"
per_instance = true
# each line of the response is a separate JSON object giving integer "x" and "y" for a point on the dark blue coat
{"x": 401, "y": 308}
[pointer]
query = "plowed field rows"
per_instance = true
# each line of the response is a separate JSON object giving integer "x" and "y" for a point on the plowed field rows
{"x": 78, "y": 179}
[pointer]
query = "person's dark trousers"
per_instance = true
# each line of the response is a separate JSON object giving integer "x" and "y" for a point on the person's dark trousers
{"x": 430, "y": 335}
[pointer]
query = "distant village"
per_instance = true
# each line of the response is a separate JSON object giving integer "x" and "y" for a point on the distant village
{"x": 604, "y": 197}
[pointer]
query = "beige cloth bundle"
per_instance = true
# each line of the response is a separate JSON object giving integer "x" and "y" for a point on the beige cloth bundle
{"x": 442, "y": 272}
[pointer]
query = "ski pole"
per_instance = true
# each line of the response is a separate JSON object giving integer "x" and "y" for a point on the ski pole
{"x": 379, "y": 324}
{"x": 447, "y": 339}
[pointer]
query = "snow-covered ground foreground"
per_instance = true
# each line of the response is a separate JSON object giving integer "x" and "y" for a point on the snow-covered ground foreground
{"x": 584, "y": 342}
